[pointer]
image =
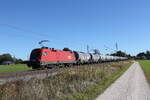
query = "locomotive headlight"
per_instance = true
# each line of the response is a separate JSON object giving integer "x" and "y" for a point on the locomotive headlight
{"x": 44, "y": 53}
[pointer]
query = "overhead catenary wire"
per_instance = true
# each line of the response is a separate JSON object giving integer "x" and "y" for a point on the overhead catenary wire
{"x": 23, "y": 29}
{"x": 38, "y": 35}
{"x": 34, "y": 35}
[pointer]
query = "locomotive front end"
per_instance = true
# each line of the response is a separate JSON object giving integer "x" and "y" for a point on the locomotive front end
{"x": 34, "y": 60}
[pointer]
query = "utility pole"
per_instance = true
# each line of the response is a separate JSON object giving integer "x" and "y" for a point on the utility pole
{"x": 88, "y": 49}
{"x": 116, "y": 46}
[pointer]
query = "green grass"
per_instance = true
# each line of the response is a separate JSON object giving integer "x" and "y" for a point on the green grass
{"x": 13, "y": 68}
{"x": 146, "y": 68}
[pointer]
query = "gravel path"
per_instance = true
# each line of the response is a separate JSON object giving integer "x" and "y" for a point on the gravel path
{"x": 132, "y": 85}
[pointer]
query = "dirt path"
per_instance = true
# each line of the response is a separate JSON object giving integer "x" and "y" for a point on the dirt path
{"x": 132, "y": 85}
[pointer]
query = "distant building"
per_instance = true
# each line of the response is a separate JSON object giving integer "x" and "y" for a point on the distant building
{"x": 6, "y": 63}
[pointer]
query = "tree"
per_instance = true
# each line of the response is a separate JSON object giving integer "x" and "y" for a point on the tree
{"x": 18, "y": 61}
{"x": 120, "y": 54}
{"x": 6, "y": 57}
{"x": 143, "y": 55}
{"x": 148, "y": 55}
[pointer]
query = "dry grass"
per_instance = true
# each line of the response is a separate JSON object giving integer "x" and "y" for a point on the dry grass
{"x": 61, "y": 86}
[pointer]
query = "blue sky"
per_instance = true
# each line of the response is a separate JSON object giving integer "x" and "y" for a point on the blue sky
{"x": 74, "y": 24}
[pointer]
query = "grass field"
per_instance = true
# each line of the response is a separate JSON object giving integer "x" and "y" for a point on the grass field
{"x": 13, "y": 68}
{"x": 146, "y": 68}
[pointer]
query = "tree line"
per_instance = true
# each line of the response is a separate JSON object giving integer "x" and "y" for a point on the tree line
{"x": 121, "y": 54}
{"x": 8, "y": 57}
{"x": 143, "y": 55}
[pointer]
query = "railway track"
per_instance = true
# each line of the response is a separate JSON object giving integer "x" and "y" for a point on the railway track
{"x": 27, "y": 75}
{"x": 40, "y": 74}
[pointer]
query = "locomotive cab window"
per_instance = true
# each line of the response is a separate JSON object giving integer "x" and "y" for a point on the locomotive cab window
{"x": 44, "y": 53}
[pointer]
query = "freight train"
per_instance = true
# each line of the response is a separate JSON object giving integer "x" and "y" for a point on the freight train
{"x": 45, "y": 57}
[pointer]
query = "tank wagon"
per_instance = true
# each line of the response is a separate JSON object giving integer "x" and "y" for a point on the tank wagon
{"x": 82, "y": 58}
{"x": 49, "y": 57}
{"x": 95, "y": 58}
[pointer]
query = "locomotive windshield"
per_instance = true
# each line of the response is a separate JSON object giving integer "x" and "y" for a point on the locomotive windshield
{"x": 35, "y": 54}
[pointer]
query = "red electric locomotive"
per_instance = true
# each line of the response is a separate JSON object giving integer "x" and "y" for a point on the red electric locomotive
{"x": 48, "y": 57}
